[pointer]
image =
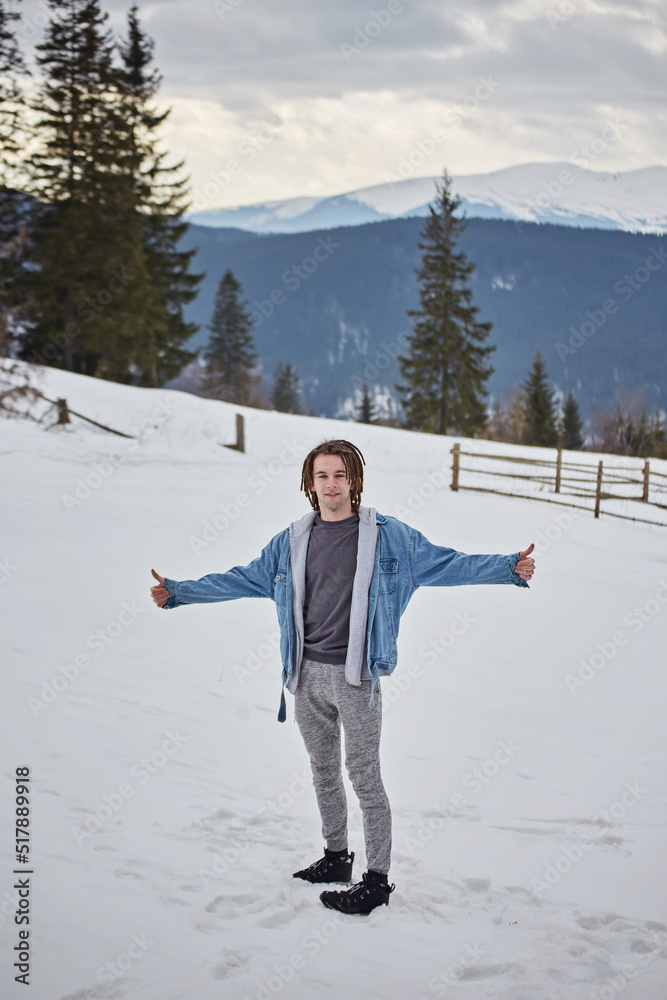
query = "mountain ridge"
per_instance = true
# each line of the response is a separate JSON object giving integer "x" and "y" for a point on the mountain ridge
{"x": 555, "y": 193}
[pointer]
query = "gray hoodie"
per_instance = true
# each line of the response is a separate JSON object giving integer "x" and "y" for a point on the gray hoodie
{"x": 299, "y": 534}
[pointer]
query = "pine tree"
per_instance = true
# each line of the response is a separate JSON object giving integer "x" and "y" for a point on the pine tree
{"x": 366, "y": 411}
{"x": 445, "y": 368}
{"x": 286, "y": 394}
{"x": 230, "y": 354}
{"x": 540, "y": 414}
{"x": 88, "y": 237}
{"x": 12, "y": 203}
{"x": 571, "y": 428}
{"x": 12, "y": 66}
{"x": 109, "y": 282}
{"x": 14, "y": 212}
{"x": 158, "y": 352}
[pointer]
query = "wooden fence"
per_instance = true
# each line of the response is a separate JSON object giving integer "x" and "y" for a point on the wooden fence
{"x": 579, "y": 480}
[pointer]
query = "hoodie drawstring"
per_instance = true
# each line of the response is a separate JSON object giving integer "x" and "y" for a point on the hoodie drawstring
{"x": 282, "y": 712}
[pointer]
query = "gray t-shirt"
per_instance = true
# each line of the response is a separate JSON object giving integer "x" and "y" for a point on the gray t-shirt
{"x": 331, "y": 562}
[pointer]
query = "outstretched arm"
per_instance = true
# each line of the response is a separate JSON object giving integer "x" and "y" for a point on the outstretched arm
{"x": 438, "y": 566}
{"x": 257, "y": 579}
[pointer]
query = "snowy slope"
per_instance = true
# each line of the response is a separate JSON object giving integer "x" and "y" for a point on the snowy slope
{"x": 541, "y": 878}
{"x": 560, "y": 193}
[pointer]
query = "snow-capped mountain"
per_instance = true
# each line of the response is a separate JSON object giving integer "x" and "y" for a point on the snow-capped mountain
{"x": 558, "y": 193}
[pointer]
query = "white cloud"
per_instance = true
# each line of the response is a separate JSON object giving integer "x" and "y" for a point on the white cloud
{"x": 353, "y": 121}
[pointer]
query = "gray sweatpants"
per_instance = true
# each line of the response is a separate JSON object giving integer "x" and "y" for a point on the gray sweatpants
{"x": 324, "y": 700}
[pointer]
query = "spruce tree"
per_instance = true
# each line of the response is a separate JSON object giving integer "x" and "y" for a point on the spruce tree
{"x": 230, "y": 354}
{"x": 540, "y": 412}
{"x": 158, "y": 350}
{"x": 571, "y": 428}
{"x": 12, "y": 66}
{"x": 445, "y": 368}
{"x": 109, "y": 282}
{"x": 366, "y": 412}
{"x": 13, "y": 240}
{"x": 12, "y": 203}
{"x": 88, "y": 244}
{"x": 286, "y": 393}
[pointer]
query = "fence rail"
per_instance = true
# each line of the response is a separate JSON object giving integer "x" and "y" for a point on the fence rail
{"x": 579, "y": 480}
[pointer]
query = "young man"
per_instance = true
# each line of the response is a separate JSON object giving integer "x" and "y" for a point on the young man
{"x": 341, "y": 577}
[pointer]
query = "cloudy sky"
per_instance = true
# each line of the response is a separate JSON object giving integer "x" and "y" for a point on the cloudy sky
{"x": 313, "y": 97}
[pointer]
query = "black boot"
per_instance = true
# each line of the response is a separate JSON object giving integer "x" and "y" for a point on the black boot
{"x": 372, "y": 891}
{"x": 335, "y": 866}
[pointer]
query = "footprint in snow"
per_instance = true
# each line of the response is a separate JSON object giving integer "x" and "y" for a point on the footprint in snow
{"x": 489, "y": 971}
{"x": 234, "y": 963}
{"x": 234, "y": 906}
{"x": 111, "y": 991}
{"x": 578, "y": 973}
{"x": 477, "y": 884}
{"x": 594, "y": 921}
{"x": 278, "y": 918}
{"x": 522, "y": 895}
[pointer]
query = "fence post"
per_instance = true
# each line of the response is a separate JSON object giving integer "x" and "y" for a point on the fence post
{"x": 598, "y": 490}
{"x": 63, "y": 412}
{"x": 646, "y": 475}
{"x": 559, "y": 457}
{"x": 455, "y": 466}
{"x": 240, "y": 432}
{"x": 240, "y": 435}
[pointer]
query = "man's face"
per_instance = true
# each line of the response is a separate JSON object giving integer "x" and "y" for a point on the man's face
{"x": 330, "y": 482}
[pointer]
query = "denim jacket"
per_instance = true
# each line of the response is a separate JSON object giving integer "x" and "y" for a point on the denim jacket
{"x": 393, "y": 560}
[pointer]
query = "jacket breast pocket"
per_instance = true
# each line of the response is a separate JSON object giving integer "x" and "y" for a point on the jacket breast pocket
{"x": 388, "y": 576}
{"x": 280, "y": 587}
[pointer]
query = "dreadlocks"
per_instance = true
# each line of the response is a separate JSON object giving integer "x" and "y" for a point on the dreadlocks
{"x": 352, "y": 459}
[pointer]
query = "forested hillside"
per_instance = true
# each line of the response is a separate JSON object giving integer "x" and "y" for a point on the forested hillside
{"x": 338, "y": 295}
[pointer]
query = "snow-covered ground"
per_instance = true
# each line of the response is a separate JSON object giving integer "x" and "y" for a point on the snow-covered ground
{"x": 523, "y": 744}
{"x": 561, "y": 193}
